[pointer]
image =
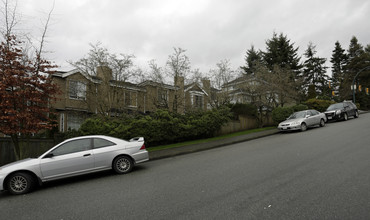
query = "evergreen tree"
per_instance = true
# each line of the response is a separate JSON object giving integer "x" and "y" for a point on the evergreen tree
{"x": 355, "y": 49}
{"x": 357, "y": 60}
{"x": 314, "y": 72}
{"x": 282, "y": 53}
{"x": 279, "y": 51}
{"x": 339, "y": 60}
{"x": 252, "y": 58}
{"x": 367, "y": 49}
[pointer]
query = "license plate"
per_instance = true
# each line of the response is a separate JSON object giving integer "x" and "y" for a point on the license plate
{"x": 329, "y": 117}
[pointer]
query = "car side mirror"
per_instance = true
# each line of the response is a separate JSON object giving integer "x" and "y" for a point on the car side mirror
{"x": 307, "y": 116}
{"x": 49, "y": 155}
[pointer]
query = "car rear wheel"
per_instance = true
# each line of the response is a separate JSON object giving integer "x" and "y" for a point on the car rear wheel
{"x": 20, "y": 183}
{"x": 303, "y": 126}
{"x": 322, "y": 123}
{"x": 345, "y": 117}
{"x": 356, "y": 114}
{"x": 122, "y": 165}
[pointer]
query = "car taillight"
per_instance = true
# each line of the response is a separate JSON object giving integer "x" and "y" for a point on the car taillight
{"x": 142, "y": 147}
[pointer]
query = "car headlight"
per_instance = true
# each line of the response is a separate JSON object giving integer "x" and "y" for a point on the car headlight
{"x": 294, "y": 123}
{"x": 338, "y": 112}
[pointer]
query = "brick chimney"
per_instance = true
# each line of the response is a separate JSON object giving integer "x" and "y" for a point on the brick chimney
{"x": 104, "y": 72}
{"x": 207, "y": 85}
{"x": 179, "y": 101}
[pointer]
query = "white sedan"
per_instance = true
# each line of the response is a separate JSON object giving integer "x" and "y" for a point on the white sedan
{"x": 72, "y": 157}
{"x": 302, "y": 120}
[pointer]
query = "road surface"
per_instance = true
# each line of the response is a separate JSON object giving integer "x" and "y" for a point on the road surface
{"x": 323, "y": 173}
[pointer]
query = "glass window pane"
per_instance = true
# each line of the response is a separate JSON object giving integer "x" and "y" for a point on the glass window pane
{"x": 73, "y": 146}
{"x": 98, "y": 143}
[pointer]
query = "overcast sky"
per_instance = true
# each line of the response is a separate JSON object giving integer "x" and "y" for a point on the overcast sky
{"x": 209, "y": 30}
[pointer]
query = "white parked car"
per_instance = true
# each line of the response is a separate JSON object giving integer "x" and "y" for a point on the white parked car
{"x": 302, "y": 120}
{"x": 72, "y": 157}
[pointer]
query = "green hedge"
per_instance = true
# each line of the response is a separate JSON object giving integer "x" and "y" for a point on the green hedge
{"x": 243, "y": 109}
{"x": 318, "y": 104}
{"x": 160, "y": 127}
{"x": 280, "y": 114}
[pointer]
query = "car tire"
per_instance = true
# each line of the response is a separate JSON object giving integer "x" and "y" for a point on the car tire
{"x": 20, "y": 183}
{"x": 303, "y": 127}
{"x": 345, "y": 117}
{"x": 356, "y": 114}
{"x": 122, "y": 164}
{"x": 322, "y": 122}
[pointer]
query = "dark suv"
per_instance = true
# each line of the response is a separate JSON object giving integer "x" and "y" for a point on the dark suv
{"x": 341, "y": 111}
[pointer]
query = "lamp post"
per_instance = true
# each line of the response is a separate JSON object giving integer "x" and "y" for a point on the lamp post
{"x": 353, "y": 83}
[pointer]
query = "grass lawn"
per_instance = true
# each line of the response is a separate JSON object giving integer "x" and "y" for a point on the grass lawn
{"x": 208, "y": 139}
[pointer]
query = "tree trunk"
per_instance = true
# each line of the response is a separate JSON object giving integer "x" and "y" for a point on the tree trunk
{"x": 17, "y": 151}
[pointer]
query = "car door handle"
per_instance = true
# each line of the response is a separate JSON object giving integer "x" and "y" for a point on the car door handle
{"x": 86, "y": 155}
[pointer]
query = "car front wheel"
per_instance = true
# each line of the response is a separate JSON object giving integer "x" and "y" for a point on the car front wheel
{"x": 20, "y": 183}
{"x": 122, "y": 165}
{"x": 303, "y": 126}
{"x": 345, "y": 117}
{"x": 322, "y": 123}
{"x": 356, "y": 114}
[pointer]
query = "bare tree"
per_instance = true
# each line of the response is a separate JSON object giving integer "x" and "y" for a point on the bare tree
{"x": 268, "y": 89}
{"x": 220, "y": 78}
{"x": 195, "y": 76}
{"x": 157, "y": 76}
{"x": 179, "y": 67}
{"x": 114, "y": 71}
{"x": 280, "y": 82}
{"x": 156, "y": 73}
{"x": 10, "y": 16}
{"x": 178, "y": 63}
{"x": 26, "y": 89}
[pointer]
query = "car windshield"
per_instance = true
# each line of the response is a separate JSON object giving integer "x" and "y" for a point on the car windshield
{"x": 335, "y": 106}
{"x": 297, "y": 115}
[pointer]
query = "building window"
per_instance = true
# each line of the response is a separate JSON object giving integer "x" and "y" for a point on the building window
{"x": 130, "y": 99}
{"x": 74, "y": 121}
{"x": 77, "y": 90}
{"x": 162, "y": 96}
{"x": 198, "y": 101}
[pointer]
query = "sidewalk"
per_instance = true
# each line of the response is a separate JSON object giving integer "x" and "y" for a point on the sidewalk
{"x": 158, "y": 154}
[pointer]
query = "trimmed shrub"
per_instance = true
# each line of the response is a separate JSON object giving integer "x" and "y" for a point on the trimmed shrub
{"x": 318, "y": 104}
{"x": 244, "y": 109}
{"x": 299, "y": 107}
{"x": 280, "y": 114}
{"x": 160, "y": 127}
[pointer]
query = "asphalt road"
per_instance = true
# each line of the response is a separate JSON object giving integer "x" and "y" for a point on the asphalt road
{"x": 322, "y": 173}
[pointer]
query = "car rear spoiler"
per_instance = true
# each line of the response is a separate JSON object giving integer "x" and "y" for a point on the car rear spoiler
{"x": 138, "y": 139}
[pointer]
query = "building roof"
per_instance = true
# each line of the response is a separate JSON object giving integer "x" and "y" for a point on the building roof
{"x": 194, "y": 87}
{"x": 157, "y": 84}
{"x": 61, "y": 74}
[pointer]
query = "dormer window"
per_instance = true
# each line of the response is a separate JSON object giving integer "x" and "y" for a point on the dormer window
{"x": 77, "y": 90}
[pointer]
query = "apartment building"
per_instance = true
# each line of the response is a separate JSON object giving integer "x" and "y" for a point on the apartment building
{"x": 84, "y": 95}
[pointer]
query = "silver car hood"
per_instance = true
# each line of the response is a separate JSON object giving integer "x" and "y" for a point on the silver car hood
{"x": 20, "y": 164}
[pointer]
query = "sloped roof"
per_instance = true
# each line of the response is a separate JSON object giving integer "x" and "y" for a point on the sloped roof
{"x": 60, "y": 74}
{"x": 95, "y": 79}
{"x": 194, "y": 87}
{"x": 157, "y": 84}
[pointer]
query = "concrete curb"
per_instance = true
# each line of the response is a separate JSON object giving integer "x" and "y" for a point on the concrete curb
{"x": 159, "y": 154}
